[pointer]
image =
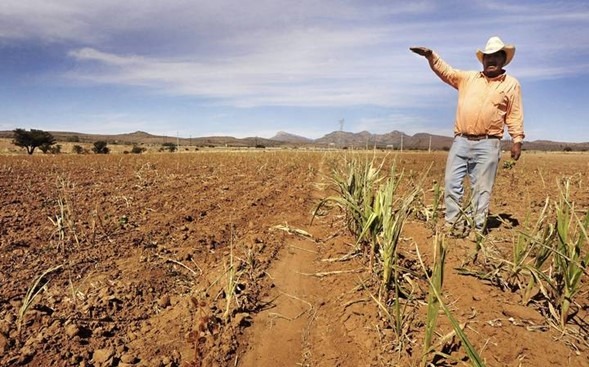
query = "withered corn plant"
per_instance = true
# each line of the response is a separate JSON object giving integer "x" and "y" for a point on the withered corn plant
{"x": 551, "y": 256}
{"x": 435, "y": 303}
{"x": 35, "y": 289}
{"x": 382, "y": 226}
{"x": 570, "y": 256}
{"x": 233, "y": 271}
{"x": 65, "y": 232}
{"x": 430, "y": 214}
{"x": 354, "y": 184}
{"x": 529, "y": 253}
{"x": 385, "y": 223}
{"x": 531, "y": 250}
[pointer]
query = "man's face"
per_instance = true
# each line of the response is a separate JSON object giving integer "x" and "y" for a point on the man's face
{"x": 493, "y": 63}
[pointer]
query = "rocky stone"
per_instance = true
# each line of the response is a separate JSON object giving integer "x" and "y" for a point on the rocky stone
{"x": 72, "y": 330}
{"x": 164, "y": 301}
{"x": 102, "y": 356}
{"x": 129, "y": 358}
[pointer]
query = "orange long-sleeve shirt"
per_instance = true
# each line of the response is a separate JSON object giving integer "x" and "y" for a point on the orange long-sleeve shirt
{"x": 485, "y": 105}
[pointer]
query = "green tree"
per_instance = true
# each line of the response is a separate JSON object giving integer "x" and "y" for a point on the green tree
{"x": 100, "y": 147}
{"x": 32, "y": 139}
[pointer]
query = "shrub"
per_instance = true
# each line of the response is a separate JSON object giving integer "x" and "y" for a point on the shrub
{"x": 73, "y": 139}
{"x": 171, "y": 147}
{"x": 56, "y": 149}
{"x": 78, "y": 149}
{"x": 137, "y": 149}
{"x": 44, "y": 148}
{"x": 100, "y": 147}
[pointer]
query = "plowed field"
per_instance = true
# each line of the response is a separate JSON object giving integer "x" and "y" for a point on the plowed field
{"x": 210, "y": 259}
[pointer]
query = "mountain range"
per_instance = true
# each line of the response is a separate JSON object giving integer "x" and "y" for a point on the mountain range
{"x": 336, "y": 139}
{"x": 399, "y": 140}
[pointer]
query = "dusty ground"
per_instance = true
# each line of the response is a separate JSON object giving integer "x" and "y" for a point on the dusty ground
{"x": 137, "y": 253}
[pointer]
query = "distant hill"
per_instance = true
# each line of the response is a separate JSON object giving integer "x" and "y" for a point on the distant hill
{"x": 290, "y": 138}
{"x": 421, "y": 141}
{"x": 394, "y": 139}
{"x": 336, "y": 139}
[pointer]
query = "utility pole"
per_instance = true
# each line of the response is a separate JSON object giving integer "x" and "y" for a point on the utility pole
{"x": 401, "y": 142}
{"x": 429, "y": 148}
{"x": 341, "y": 132}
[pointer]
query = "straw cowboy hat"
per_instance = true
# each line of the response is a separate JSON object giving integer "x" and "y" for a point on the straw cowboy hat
{"x": 494, "y": 44}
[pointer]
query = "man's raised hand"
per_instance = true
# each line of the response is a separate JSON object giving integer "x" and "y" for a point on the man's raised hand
{"x": 422, "y": 51}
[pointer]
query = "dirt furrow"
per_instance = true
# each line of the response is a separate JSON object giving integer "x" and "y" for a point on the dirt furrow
{"x": 310, "y": 319}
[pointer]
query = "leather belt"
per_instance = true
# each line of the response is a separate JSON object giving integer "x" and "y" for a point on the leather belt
{"x": 478, "y": 137}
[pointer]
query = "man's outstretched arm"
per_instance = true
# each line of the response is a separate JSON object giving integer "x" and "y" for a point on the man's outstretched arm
{"x": 442, "y": 70}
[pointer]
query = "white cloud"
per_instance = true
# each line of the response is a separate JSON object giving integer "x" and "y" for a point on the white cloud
{"x": 90, "y": 54}
{"x": 302, "y": 75}
{"x": 94, "y": 22}
{"x": 324, "y": 53}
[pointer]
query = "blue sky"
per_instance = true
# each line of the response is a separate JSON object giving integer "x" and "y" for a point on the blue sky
{"x": 253, "y": 68}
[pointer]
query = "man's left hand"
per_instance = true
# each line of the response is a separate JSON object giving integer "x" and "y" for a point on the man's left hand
{"x": 516, "y": 150}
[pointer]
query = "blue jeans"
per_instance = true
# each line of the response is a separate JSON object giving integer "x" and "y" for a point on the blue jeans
{"x": 478, "y": 159}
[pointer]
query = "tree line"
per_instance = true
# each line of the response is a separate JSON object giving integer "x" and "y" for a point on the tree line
{"x": 46, "y": 142}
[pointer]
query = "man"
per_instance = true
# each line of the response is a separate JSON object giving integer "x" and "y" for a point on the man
{"x": 487, "y": 102}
